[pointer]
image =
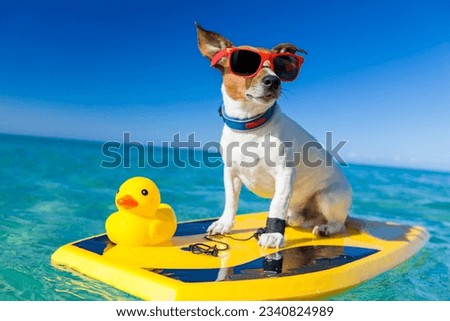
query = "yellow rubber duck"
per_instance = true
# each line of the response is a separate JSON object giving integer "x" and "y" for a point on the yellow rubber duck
{"x": 141, "y": 219}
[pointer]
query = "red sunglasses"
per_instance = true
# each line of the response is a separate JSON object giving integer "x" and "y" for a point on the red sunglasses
{"x": 247, "y": 63}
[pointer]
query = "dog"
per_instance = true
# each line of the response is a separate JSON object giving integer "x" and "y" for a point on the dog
{"x": 260, "y": 144}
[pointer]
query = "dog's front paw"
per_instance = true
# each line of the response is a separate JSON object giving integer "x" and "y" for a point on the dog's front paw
{"x": 219, "y": 227}
{"x": 271, "y": 240}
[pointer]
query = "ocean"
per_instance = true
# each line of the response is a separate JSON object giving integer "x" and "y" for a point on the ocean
{"x": 54, "y": 191}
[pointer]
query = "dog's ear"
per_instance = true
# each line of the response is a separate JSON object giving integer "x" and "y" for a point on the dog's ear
{"x": 288, "y": 47}
{"x": 210, "y": 43}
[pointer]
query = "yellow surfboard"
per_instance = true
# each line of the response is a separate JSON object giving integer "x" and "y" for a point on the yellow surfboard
{"x": 306, "y": 268}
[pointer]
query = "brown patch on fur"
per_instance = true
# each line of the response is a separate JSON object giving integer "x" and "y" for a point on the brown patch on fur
{"x": 248, "y": 82}
{"x": 235, "y": 86}
{"x": 311, "y": 211}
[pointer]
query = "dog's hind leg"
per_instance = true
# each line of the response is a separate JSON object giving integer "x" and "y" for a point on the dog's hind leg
{"x": 333, "y": 203}
{"x": 306, "y": 214}
{"x": 294, "y": 217}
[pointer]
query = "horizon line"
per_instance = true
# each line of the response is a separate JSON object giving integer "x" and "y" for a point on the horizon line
{"x": 354, "y": 162}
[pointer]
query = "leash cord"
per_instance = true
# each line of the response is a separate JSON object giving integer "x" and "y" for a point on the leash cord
{"x": 255, "y": 235}
{"x": 202, "y": 248}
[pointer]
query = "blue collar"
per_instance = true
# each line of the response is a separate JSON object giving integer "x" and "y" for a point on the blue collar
{"x": 247, "y": 123}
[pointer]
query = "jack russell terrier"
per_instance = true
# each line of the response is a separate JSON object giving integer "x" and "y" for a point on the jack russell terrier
{"x": 261, "y": 145}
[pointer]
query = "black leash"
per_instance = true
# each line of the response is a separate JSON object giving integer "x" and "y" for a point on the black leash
{"x": 202, "y": 248}
{"x": 273, "y": 225}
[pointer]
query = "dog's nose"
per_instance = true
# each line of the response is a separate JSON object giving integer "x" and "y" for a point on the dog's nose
{"x": 271, "y": 81}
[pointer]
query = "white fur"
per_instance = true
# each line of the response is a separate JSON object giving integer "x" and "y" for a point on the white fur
{"x": 290, "y": 188}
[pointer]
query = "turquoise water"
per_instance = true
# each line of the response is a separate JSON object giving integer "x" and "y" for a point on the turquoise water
{"x": 55, "y": 191}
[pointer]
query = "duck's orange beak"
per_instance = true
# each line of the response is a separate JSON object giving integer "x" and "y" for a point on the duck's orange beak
{"x": 127, "y": 201}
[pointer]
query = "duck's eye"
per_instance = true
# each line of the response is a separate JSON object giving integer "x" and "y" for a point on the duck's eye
{"x": 144, "y": 192}
{"x": 118, "y": 191}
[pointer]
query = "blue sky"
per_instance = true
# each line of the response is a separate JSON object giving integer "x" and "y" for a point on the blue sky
{"x": 377, "y": 74}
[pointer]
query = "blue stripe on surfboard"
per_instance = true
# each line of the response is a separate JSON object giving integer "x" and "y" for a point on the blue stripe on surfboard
{"x": 287, "y": 262}
{"x": 98, "y": 244}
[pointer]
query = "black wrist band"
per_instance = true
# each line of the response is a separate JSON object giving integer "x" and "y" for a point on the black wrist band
{"x": 275, "y": 225}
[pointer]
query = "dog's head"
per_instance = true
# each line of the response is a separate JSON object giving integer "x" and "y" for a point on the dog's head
{"x": 251, "y": 76}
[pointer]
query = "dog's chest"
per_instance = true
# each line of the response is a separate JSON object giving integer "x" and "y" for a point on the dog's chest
{"x": 259, "y": 180}
{"x": 254, "y": 158}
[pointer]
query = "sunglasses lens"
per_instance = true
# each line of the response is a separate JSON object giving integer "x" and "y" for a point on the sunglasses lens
{"x": 245, "y": 62}
{"x": 286, "y": 67}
